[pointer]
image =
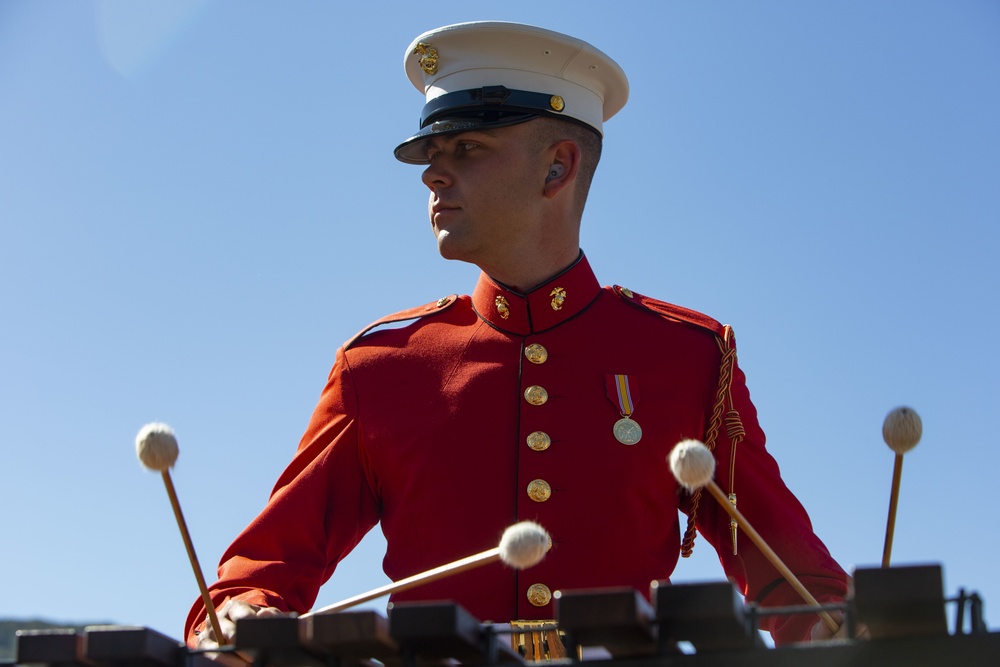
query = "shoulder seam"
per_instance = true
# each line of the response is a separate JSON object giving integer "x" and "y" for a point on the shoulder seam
{"x": 417, "y": 313}
{"x": 670, "y": 311}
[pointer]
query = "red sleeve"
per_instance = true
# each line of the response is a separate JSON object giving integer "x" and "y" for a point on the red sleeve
{"x": 777, "y": 515}
{"x": 281, "y": 559}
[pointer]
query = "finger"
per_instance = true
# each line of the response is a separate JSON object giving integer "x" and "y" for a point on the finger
{"x": 820, "y": 632}
{"x": 228, "y": 659}
{"x": 205, "y": 641}
{"x": 228, "y": 628}
{"x": 270, "y": 612}
{"x": 239, "y": 609}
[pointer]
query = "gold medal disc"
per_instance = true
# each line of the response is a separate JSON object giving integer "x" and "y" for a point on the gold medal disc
{"x": 627, "y": 431}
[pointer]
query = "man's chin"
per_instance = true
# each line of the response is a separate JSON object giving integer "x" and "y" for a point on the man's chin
{"x": 451, "y": 255}
{"x": 449, "y": 247}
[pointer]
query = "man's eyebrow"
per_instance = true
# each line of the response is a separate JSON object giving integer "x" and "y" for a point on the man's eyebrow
{"x": 490, "y": 132}
{"x": 438, "y": 141}
{"x": 476, "y": 133}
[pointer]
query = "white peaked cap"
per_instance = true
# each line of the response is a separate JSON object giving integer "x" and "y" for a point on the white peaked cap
{"x": 491, "y": 73}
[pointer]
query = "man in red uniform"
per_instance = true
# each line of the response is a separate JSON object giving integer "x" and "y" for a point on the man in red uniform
{"x": 542, "y": 396}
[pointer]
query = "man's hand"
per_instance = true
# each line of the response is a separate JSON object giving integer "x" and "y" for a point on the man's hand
{"x": 229, "y": 613}
{"x": 822, "y": 633}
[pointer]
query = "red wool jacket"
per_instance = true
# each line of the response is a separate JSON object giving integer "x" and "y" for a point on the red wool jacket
{"x": 426, "y": 429}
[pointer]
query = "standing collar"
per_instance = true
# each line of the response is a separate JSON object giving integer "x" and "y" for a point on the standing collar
{"x": 543, "y": 307}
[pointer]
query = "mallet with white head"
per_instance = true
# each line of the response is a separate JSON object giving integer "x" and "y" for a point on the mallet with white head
{"x": 523, "y": 545}
{"x": 693, "y": 466}
{"x": 156, "y": 447}
{"x": 901, "y": 430}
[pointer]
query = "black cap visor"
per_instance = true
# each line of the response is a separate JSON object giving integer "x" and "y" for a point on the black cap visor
{"x": 475, "y": 109}
{"x": 414, "y": 149}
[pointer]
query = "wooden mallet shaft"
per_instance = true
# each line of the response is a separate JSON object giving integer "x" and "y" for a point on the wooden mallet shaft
{"x": 769, "y": 553}
{"x": 890, "y": 526}
{"x": 156, "y": 447}
{"x": 189, "y": 546}
{"x": 901, "y": 430}
{"x": 522, "y": 546}
{"x": 456, "y": 567}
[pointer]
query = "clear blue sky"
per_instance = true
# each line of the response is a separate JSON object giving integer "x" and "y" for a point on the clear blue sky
{"x": 198, "y": 204}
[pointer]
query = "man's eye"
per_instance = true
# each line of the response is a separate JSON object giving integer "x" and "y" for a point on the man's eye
{"x": 466, "y": 146}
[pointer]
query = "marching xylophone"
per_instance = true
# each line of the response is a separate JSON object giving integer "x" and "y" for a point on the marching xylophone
{"x": 687, "y": 625}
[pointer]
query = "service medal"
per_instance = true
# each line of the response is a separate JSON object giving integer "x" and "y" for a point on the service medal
{"x": 627, "y": 431}
{"x": 624, "y": 394}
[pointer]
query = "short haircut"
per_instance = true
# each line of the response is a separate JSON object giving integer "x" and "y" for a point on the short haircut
{"x": 547, "y": 131}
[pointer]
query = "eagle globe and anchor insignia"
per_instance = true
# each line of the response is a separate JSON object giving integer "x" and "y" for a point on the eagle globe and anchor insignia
{"x": 428, "y": 58}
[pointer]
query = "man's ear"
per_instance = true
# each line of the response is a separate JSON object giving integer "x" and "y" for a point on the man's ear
{"x": 564, "y": 167}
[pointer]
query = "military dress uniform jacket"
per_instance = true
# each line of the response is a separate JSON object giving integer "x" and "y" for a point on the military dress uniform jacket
{"x": 498, "y": 408}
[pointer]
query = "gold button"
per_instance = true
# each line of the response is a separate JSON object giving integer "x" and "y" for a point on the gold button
{"x": 539, "y": 595}
{"x": 442, "y": 302}
{"x": 536, "y": 353}
{"x": 627, "y": 292}
{"x": 536, "y": 395}
{"x": 539, "y": 490}
{"x": 539, "y": 441}
{"x": 557, "y": 103}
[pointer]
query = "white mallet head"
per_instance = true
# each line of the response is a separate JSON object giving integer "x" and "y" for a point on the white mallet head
{"x": 692, "y": 464}
{"x": 156, "y": 446}
{"x": 902, "y": 429}
{"x": 524, "y": 545}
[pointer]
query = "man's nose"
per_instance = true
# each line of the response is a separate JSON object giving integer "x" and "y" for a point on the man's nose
{"x": 436, "y": 175}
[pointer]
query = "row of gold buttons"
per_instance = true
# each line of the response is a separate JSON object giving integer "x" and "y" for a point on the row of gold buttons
{"x": 539, "y": 490}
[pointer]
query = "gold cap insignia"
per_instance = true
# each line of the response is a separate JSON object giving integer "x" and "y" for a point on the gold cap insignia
{"x": 557, "y": 103}
{"x": 428, "y": 57}
{"x": 558, "y": 298}
{"x": 502, "y": 304}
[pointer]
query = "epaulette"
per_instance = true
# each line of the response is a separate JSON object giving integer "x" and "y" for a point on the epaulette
{"x": 723, "y": 411}
{"x": 670, "y": 311}
{"x": 433, "y": 307}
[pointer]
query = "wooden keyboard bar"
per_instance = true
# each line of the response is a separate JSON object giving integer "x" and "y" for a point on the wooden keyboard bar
{"x": 58, "y": 648}
{"x": 709, "y": 616}
{"x": 351, "y": 636}
{"x": 618, "y": 619}
{"x": 113, "y": 645}
{"x": 900, "y": 601}
{"x": 276, "y": 641}
{"x": 440, "y": 631}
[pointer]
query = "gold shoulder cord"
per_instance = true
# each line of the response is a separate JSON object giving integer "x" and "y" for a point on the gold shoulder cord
{"x": 734, "y": 429}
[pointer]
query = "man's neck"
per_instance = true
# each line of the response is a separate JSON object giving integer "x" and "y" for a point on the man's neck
{"x": 527, "y": 275}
